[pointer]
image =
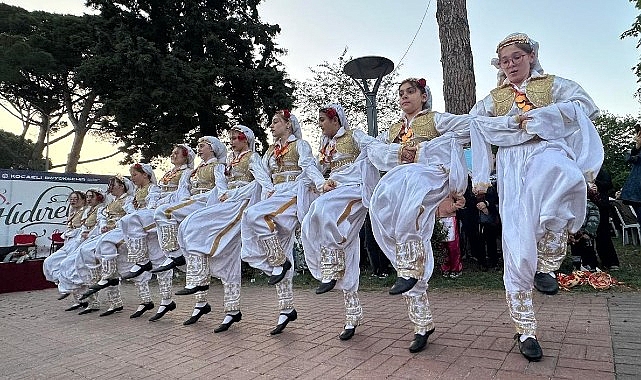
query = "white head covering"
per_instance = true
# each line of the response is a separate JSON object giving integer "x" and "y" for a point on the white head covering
{"x": 191, "y": 155}
{"x": 96, "y": 190}
{"x": 251, "y": 139}
{"x": 149, "y": 171}
{"x": 129, "y": 186}
{"x": 296, "y": 131}
{"x": 340, "y": 112}
{"x": 220, "y": 151}
{"x": 517, "y": 38}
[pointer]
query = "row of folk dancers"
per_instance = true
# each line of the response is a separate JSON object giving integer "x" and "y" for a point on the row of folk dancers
{"x": 247, "y": 207}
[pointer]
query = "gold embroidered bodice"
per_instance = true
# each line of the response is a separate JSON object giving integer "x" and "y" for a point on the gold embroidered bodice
{"x": 115, "y": 210}
{"x": 92, "y": 217}
{"x": 171, "y": 180}
{"x": 238, "y": 173}
{"x": 423, "y": 128}
{"x": 538, "y": 91}
{"x": 140, "y": 197}
{"x": 286, "y": 168}
{"x": 203, "y": 178}
{"x": 346, "y": 151}
{"x": 75, "y": 219}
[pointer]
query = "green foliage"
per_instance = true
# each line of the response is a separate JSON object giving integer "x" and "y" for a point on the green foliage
{"x": 635, "y": 32}
{"x": 616, "y": 134}
{"x": 330, "y": 84}
{"x": 16, "y": 153}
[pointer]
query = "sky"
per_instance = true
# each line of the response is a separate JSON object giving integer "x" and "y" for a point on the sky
{"x": 579, "y": 40}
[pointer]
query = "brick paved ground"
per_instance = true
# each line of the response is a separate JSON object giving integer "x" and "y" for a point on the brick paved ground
{"x": 473, "y": 339}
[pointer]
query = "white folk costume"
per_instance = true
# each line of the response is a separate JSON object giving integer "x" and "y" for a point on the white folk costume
{"x": 268, "y": 227}
{"x": 211, "y": 236}
{"x": 541, "y": 171}
{"x": 404, "y": 203}
{"x": 94, "y": 266}
{"x": 71, "y": 235}
{"x": 330, "y": 230}
{"x": 70, "y": 278}
{"x": 168, "y": 216}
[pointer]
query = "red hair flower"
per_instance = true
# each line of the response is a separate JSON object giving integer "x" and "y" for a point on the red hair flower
{"x": 330, "y": 112}
{"x": 421, "y": 83}
{"x": 241, "y": 136}
{"x": 287, "y": 114}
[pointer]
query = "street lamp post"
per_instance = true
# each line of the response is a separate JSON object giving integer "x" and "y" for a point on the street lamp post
{"x": 361, "y": 70}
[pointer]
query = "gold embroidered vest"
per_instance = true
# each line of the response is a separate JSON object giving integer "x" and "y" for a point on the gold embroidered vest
{"x": 115, "y": 210}
{"x": 287, "y": 168}
{"x": 346, "y": 151}
{"x": 171, "y": 180}
{"x": 423, "y": 127}
{"x": 92, "y": 217}
{"x": 538, "y": 91}
{"x": 75, "y": 219}
{"x": 203, "y": 179}
{"x": 140, "y": 197}
{"x": 239, "y": 174}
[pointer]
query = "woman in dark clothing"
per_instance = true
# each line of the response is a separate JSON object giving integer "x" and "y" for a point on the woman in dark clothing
{"x": 631, "y": 192}
{"x": 604, "y": 246}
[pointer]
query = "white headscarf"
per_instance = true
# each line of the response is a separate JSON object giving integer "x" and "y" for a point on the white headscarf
{"x": 340, "y": 112}
{"x": 96, "y": 190}
{"x": 251, "y": 139}
{"x": 517, "y": 38}
{"x": 296, "y": 131}
{"x": 129, "y": 186}
{"x": 220, "y": 151}
{"x": 149, "y": 171}
{"x": 191, "y": 155}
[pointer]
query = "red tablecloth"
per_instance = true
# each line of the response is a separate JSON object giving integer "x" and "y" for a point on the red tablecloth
{"x": 21, "y": 277}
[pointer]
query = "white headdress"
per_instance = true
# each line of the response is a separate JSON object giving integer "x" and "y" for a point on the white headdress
{"x": 220, "y": 151}
{"x": 251, "y": 139}
{"x": 517, "y": 38}
{"x": 191, "y": 155}
{"x": 288, "y": 116}
{"x": 340, "y": 112}
{"x": 149, "y": 171}
{"x": 96, "y": 190}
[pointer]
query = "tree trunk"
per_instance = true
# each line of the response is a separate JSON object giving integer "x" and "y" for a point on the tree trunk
{"x": 459, "y": 86}
{"x": 36, "y": 155}
{"x": 74, "y": 153}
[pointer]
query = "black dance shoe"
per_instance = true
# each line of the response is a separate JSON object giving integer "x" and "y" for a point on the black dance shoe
{"x": 98, "y": 287}
{"x": 175, "y": 262}
{"x": 111, "y": 311}
{"x": 420, "y": 341}
{"x": 545, "y": 283}
{"x": 347, "y": 334}
{"x": 160, "y": 314}
{"x": 87, "y": 311}
{"x": 145, "y": 306}
{"x": 225, "y": 326}
{"x": 291, "y": 316}
{"x": 202, "y": 310}
{"x": 325, "y": 287}
{"x": 63, "y": 296}
{"x": 403, "y": 285}
{"x": 77, "y": 306}
{"x": 187, "y": 291}
{"x": 275, "y": 279}
{"x": 141, "y": 269}
{"x": 530, "y": 348}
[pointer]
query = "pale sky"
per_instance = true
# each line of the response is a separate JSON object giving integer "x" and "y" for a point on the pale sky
{"x": 579, "y": 40}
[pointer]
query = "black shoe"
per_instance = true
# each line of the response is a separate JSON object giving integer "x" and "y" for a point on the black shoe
{"x": 63, "y": 296}
{"x": 87, "y": 311}
{"x": 545, "y": 283}
{"x": 99, "y": 286}
{"x": 275, "y": 279}
{"x": 187, "y": 291}
{"x": 77, "y": 306}
{"x": 291, "y": 316}
{"x": 145, "y": 306}
{"x": 403, "y": 285}
{"x": 325, "y": 287}
{"x": 347, "y": 334}
{"x": 201, "y": 311}
{"x": 225, "y": 326}
{"x": 530, "y": 348}
{"x": 158, "y": 315}
{"x": 175, "y": 262}
{"x": 420, "y": 341}
{"x": 111, "y": 311}
{"x": 141, "y": 269}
